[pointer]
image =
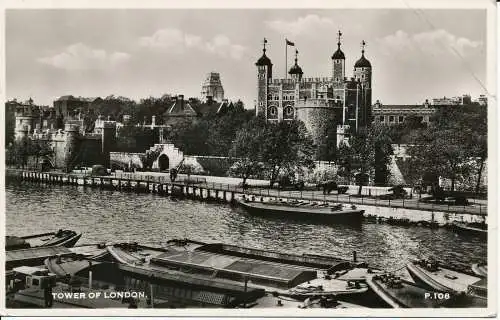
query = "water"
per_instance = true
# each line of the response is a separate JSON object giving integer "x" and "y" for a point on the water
{"x": 105, "y": 216}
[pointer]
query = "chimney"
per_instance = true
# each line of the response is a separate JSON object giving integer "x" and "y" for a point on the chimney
{"x": 153, "y": 121}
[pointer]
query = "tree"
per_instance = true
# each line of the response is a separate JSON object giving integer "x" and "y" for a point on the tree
{"x": 247, "y": 146}
{"x": 283, "y": 148}
{"x": 149, "y": 158}
{"x": 287, "y": 147}
{"x": 368, "y": 151}
{"x": 452, "y": 143}
{"x": 245, "y": 168}
{"x": 41, "y": 149}
{"x": 327, "y": 145}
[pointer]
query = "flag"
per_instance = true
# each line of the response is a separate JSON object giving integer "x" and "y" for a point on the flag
{"x": 289, "y": 43}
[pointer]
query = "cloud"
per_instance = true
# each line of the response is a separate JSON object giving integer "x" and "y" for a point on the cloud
{"x": 310, "y": 24}
{"x": 435, "y": 42}
{"x": 176, "y": 41}
{"x": 81, "y": 57}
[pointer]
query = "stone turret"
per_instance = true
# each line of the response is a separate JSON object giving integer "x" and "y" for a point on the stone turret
{"x": 71, "y": 146}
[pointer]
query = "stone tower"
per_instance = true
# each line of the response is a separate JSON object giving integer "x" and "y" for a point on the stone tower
{"x": 338, "y": 64}
{"x": 71, "y": 146}
{"x": 296, "y": 71}
{"x": 24, "y": 115}
{"x": 363, "y": 74}
{"x": 264, "y": 75}
{"x": 212, "y": 87}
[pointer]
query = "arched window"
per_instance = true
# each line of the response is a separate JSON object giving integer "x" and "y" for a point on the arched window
{"x": 288, "y": 112}
{"x": 272, "y": 112}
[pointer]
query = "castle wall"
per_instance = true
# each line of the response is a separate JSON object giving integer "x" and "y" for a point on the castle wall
{"x": 126, "y": 159}
{"x": 315, "y": 119}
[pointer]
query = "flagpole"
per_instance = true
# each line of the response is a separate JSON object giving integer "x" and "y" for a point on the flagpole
{"x": 286, "y": 57}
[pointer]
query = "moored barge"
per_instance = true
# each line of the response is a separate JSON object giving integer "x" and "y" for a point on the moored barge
{"x": 312, "y": 211}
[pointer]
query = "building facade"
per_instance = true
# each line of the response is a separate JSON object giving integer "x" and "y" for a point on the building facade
{"x": 71, "y": 146}
{"x": 396, "y": 114}
{"x": 212, "y": 88}
{"x": 318, "y": 101}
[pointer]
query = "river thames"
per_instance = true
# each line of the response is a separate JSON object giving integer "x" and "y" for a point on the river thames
{"x": 112, "y": 216}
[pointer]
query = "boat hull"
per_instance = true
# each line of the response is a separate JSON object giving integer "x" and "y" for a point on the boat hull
{"x": 480, "y": 270}
{"x": 354, "y": 217}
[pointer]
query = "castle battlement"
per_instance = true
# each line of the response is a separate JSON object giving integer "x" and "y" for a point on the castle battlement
{"x": 303, "y": 80}
{"x": 313, "y": 103}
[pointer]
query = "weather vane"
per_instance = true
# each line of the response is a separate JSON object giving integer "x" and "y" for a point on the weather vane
{"x": 363, "y": 45}
{"x": 264, "y": 42}
{"x": 339, "y": 35}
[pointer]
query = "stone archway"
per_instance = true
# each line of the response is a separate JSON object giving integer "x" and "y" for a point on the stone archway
{"x": 163, "y": 162}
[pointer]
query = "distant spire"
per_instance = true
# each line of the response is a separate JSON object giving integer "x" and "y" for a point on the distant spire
{"x": 363, "y": 45}
{"x": 339, "y": 35}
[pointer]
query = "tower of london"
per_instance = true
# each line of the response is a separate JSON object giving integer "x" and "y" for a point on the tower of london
{"x": 318, "y": 101}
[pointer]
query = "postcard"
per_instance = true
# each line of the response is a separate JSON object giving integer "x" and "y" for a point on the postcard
{"x": 293, "y": 159}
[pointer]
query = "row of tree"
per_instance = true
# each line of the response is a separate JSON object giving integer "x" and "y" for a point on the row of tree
{"x": 453, "y": 146}
{"x": 24, "y": 152}
{"x": 280, "y": 149}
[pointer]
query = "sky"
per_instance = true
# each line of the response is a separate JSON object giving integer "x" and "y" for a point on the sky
{"x": 415, "y": 54}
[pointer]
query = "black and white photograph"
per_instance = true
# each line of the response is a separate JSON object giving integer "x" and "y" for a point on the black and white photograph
{"x": 268, "y": 159}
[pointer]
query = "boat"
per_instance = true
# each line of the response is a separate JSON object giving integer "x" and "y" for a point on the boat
{"x": 37, "y": 255}
{"x": 65, "y": 238}
{"x": 33, "y": 256}
{"x": 294, "y": 276}
{"x": 313, "y": 211}
{"x": 480, "y": 269}
{"x": 37, "y": 287}
{"x": 477, "y": 229}
{"x": 400, "y": 293}
{"x": 479, "y": 291}
{"x": 434, "y": 276}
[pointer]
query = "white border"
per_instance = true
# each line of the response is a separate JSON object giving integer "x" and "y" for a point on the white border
{"x": 492, "y": 56}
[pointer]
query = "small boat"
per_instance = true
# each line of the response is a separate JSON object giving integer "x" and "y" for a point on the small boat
{"x": 303, "y": 210}
{"x": 480, "y": 269}
{"x": 327, "y": 286}
{"x": 37, "y": 287}
{"x": 479, "y": 290}
{"x": 65, "y": 238}
{"x": 477, "y": 229}
{"x": 399, "y": 293}
{"x": 33, "y": 256}
{"x": 434, "y": 276}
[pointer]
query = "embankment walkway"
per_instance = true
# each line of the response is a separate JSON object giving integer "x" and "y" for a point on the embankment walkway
{"x": 161, "y": 183}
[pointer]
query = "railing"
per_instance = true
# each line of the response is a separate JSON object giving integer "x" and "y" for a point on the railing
{"x": 476, "y": 207}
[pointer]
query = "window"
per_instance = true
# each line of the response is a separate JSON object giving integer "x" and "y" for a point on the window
{"x": 391, "y": 118}
{"x": 288, "y": 112}
{"x": 381, "y": 118}
{"x": 36, "y": 282}
{"x": 401, "y": 119}
{"x": 272, "y": 112}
